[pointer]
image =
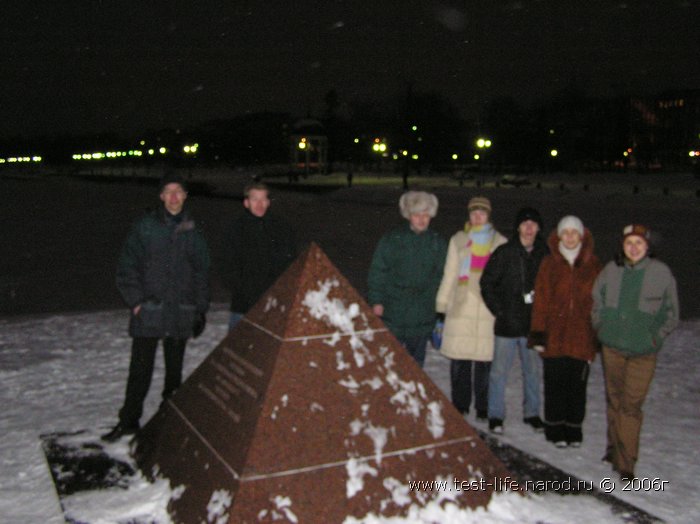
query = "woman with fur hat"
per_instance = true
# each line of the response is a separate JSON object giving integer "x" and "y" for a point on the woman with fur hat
{"x": 405, "y": 273}
{"x": 635, "y": 306}
{"x": 467, "y": 338}
{"x": 561, "y": 328}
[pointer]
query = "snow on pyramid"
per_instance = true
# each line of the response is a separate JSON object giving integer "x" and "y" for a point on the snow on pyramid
{"x": 311, "y": 411}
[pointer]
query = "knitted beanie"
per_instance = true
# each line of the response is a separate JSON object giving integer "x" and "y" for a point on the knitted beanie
{"x": 570, "y": 222}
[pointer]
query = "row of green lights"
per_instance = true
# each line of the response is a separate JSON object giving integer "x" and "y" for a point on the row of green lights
{"x": 116, "y": 154}
{"x": 190, "y": 149}
{"x": 17, "y": 159}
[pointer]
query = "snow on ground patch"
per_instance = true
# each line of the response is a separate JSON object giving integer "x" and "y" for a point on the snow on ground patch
{"x": 504, "y": 508}
{"x": 44, "y": 389}
{"x": 141, "y": 502}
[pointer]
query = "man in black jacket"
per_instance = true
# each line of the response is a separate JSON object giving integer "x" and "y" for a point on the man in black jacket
{"x": 507, "y": 285}
{"x": 259, "y": 247}
{"x": 163, "y": 276}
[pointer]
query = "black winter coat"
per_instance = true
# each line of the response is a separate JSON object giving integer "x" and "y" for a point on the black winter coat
{"x": 164, "y": 267}
{"x": 258, "y": 250}
{"x": 509, "y": 274}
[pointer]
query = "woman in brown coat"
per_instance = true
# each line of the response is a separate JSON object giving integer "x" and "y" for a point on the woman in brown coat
{"x": 561, "y": 328}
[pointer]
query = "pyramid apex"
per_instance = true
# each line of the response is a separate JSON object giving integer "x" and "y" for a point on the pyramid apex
{"x": 312, "y": 297}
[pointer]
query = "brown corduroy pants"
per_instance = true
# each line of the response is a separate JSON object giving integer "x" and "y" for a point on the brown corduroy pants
{"x": 627, "y": 381}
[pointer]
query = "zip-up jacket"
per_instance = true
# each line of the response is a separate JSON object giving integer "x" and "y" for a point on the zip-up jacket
{"x": 635, "y": 307}
{"x": 509, "y": 275}
{"x": 164, "y": 268}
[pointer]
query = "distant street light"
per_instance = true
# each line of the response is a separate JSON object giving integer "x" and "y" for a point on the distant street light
{"x": 379, "y": 146}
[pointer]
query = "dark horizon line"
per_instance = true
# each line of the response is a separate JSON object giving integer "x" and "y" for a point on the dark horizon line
{"x": 296, "y": 116}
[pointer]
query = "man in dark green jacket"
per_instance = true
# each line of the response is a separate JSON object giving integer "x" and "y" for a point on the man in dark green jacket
{"x": 163, "y": 276}
{"x": 405, "y": 274}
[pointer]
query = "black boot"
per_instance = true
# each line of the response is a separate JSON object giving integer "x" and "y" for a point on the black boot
{"x": 119, "y": 431}
{"x": 536, "y": 423}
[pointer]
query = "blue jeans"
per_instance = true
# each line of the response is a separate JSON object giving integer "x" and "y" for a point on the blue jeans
{"x": 504, "y": 352}
{"x": 415, "y": 346}
{"x": 234, "y": 319}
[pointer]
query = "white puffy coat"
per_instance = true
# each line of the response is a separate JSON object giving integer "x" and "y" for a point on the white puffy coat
{"x": 468, "y": 332}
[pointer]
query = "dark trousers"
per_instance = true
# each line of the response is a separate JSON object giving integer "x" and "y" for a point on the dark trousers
{"x": 565, "y": 381}
{"x": 415, "y": 346}
{"x": 461, "y": 381}
{"x": 143, "y": 352}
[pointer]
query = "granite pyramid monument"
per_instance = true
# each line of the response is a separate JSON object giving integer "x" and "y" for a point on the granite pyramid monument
{"x": 311, "y": 411}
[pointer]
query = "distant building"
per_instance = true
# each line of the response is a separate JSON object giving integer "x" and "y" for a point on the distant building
{"x": 665, "y": 130}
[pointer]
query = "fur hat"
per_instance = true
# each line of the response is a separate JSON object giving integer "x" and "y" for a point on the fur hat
{"x": 171, "y": 177}
{"x": 528, "y": 213}
{"x": 413, "y": 202}
{"x": 479, "y": 202}
{"x": 637, "y": 230}
{"x": 570, "y": 222}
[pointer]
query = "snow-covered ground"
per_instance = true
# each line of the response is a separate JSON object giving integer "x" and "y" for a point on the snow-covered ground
{"x": 62, "y": 372}
{"x": 66, "y": 372}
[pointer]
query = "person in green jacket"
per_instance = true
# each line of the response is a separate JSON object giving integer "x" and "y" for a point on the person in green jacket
{"x": 405, "y": 274}
{"x": 635, "y": 306}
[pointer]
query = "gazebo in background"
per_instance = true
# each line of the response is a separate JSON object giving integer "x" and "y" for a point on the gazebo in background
{"x": 308, "y": 147}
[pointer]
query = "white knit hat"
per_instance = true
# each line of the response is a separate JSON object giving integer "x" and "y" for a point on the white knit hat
{"x": 570, "y": 222}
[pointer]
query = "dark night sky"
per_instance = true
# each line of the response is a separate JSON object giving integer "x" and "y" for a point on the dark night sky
{"x": 87, "y": 66}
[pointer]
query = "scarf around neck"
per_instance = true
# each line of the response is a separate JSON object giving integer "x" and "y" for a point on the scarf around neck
{"x": 480, "y": 239}
{"x": 570, "y": 254}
